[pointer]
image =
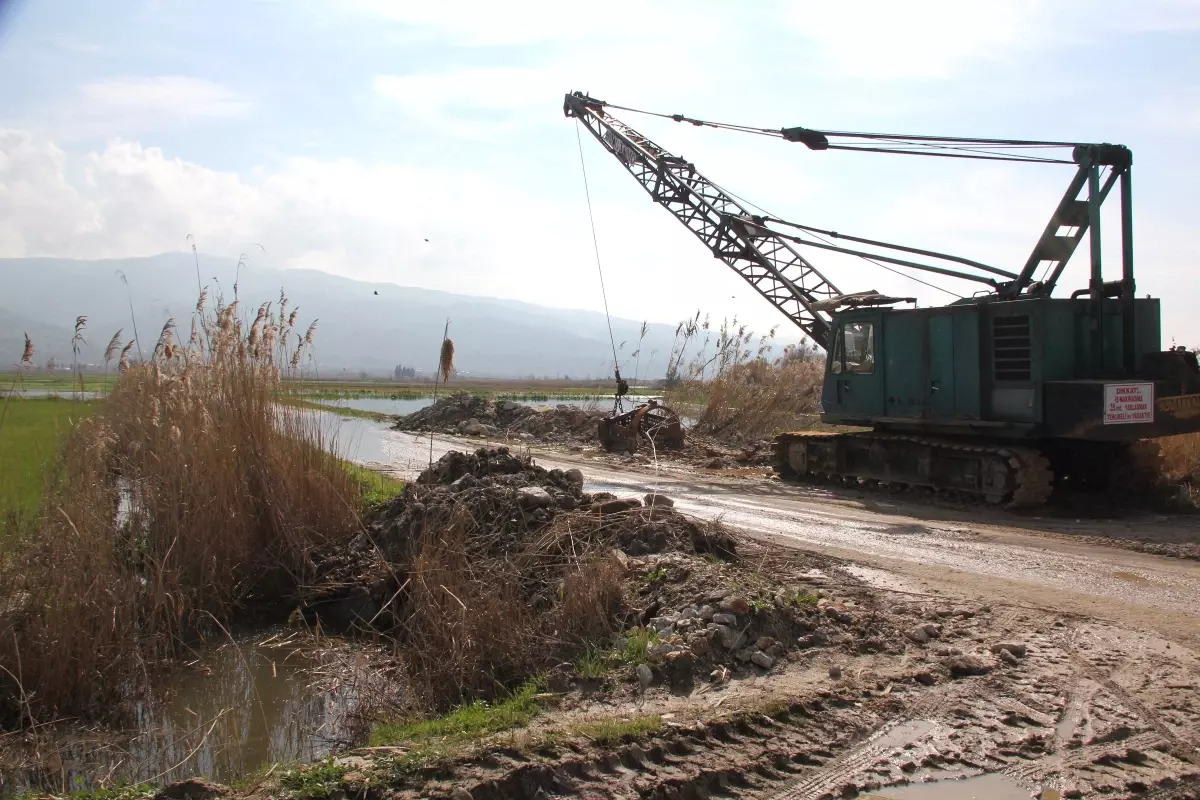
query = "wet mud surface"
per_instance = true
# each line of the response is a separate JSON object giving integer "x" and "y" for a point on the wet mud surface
{"x": 1104, "y": 701}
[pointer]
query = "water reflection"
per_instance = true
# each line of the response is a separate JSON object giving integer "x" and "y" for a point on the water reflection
{"x": 236, "y": 710}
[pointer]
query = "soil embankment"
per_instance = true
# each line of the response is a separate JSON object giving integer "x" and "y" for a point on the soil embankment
{"x": 730, "y": 665}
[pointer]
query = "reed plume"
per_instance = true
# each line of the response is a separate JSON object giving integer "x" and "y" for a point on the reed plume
{"x": 446, "y": 360}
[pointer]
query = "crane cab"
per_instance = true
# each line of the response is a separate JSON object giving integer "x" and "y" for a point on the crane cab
{"x": 1022, "y": 369}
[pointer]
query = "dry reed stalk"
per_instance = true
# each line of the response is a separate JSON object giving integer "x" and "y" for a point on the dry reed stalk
{"x": 190, "y": 491}
{"x": 444, "y": 369}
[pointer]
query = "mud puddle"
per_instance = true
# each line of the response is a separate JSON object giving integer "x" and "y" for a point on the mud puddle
{"x": 981, "y": 787}
{"x": 234, "y": 711}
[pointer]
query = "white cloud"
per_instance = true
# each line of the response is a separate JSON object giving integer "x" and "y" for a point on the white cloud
{"x": 178, "y": 97}
{"x": 130, "y": 106}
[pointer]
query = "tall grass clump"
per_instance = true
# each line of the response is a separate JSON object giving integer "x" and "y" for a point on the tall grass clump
{"x": 732, "y": 386}
{"x": 190, "y": 494}
{"x": 1181, "y": 457}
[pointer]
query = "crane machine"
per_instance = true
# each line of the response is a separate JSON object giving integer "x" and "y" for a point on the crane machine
{"x": 1000, "y": 395}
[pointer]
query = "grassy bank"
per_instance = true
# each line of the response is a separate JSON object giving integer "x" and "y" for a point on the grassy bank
{"x": 31, "y": 433}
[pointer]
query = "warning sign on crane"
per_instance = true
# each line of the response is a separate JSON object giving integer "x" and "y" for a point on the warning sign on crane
{"x": 1128, "y": 402}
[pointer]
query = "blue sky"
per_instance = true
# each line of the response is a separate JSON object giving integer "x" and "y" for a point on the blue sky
{"x": 341, "y": 136}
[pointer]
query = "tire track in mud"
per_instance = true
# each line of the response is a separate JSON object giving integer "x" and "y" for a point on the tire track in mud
{"x": 1056, "y": 720}
{"x": 739, "y": 756}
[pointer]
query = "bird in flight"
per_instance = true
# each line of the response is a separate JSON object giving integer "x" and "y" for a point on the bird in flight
{"x": 376, "y": 292}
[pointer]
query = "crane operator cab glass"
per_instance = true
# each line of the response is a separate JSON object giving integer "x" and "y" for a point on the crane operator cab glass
{"x": 854, "y": 349}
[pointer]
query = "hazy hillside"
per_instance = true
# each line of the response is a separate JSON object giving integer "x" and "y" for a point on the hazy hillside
{"x": 359, "y": 330}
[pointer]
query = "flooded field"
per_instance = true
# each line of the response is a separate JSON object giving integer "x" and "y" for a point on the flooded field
{"x": 64, "y": 394}
{"x": 232, "y": 711}
{"x": 408, "y": 405}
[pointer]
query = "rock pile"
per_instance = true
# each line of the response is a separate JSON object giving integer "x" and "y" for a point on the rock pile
{"x": 472, "y": 415}
{"x": 490, "y": 568}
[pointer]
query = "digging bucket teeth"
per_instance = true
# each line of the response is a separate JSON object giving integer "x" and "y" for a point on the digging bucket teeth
{"x": 650, "y": 422}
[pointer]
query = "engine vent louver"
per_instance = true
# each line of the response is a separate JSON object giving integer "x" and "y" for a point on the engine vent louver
{"x": 1011, "y": 348}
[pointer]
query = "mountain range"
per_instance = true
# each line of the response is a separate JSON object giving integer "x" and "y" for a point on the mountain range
{"x": 364, "y": 327}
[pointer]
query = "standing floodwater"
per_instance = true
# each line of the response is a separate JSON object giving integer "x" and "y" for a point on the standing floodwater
{"x": 237, "y": 709}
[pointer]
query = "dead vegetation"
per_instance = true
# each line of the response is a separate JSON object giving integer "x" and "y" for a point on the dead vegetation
{"x": 1181, "y": 458}
{"x": 188, "y": 495}
{"x": 489, "y": 570}
{"x": 734, "y": 390}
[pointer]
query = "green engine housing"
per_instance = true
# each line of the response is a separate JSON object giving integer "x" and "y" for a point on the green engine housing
{"x": 1020, "y": 369}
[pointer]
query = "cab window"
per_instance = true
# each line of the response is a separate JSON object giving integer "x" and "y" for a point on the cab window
{"x": 854, "y": 349}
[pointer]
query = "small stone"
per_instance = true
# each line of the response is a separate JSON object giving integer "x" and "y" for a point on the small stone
{"x": 762, "y": 659}
{"x": 718, "y": 675}
{"x": 698, "y": 643}
{"x": 471, "y": 427}
{"x": 932, "y": 630}
{"x": 729, "y": 620}
{"x": 961, "y": 666}
{"x": 917, "y": 634}
{"x": 575, "y": 476}
{"x": 835, "y": 673}
{"x": 620, "y": 558}
{"x": 1008, "y": 658}
{"x": 725, "y": 633}
{"x": 534, "y": 497}
{"x": 615, "y": 506}
{"x": 943, "y": 612}
{"x": 736, "y": 605}
{"x": 925, "y": 678}
{"x": 764, "y": 642}
{"x": 658, "y": 501}
{"x": 1013, "y": 648}
{"x": 645, "y": 675}
{"x": 706, "y": 612}
{"x": 745, "y": 654}
{"x": 460, "y": 793}
{"x": 354, "y": 778}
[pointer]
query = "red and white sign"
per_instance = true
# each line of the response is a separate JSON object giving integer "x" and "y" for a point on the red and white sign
{"x": 1125, "y": 403}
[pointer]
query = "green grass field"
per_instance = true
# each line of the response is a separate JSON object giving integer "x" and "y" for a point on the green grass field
{"x": 29, "y": 437}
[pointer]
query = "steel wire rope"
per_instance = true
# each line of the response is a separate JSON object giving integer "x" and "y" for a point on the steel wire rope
{"x": 612, "y": 340}
{"x": 864, "y": 258}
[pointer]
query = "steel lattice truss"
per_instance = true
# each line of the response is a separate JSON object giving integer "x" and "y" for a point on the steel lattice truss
{"x": 765, "y": 260}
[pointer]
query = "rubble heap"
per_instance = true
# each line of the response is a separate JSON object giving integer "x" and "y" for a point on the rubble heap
{"x": 472, "y": 415}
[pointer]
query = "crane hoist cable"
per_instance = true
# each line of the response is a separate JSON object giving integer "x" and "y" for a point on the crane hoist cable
{"x": 815, "y": 234}
{"x": 901, "y": 144}
{"x": 622, "y": 386}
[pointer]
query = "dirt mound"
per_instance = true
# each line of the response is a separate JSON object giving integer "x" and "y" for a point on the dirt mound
{"x": 472, "y": 415}
{"x": 489, "y": 569}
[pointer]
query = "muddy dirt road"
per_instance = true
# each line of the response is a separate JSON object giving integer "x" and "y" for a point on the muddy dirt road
{"x": 1071, "y": 565}
{"x": 1104, "y": 700}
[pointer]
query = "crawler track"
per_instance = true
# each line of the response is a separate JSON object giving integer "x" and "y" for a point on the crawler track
{"x": 995, "y": 474}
